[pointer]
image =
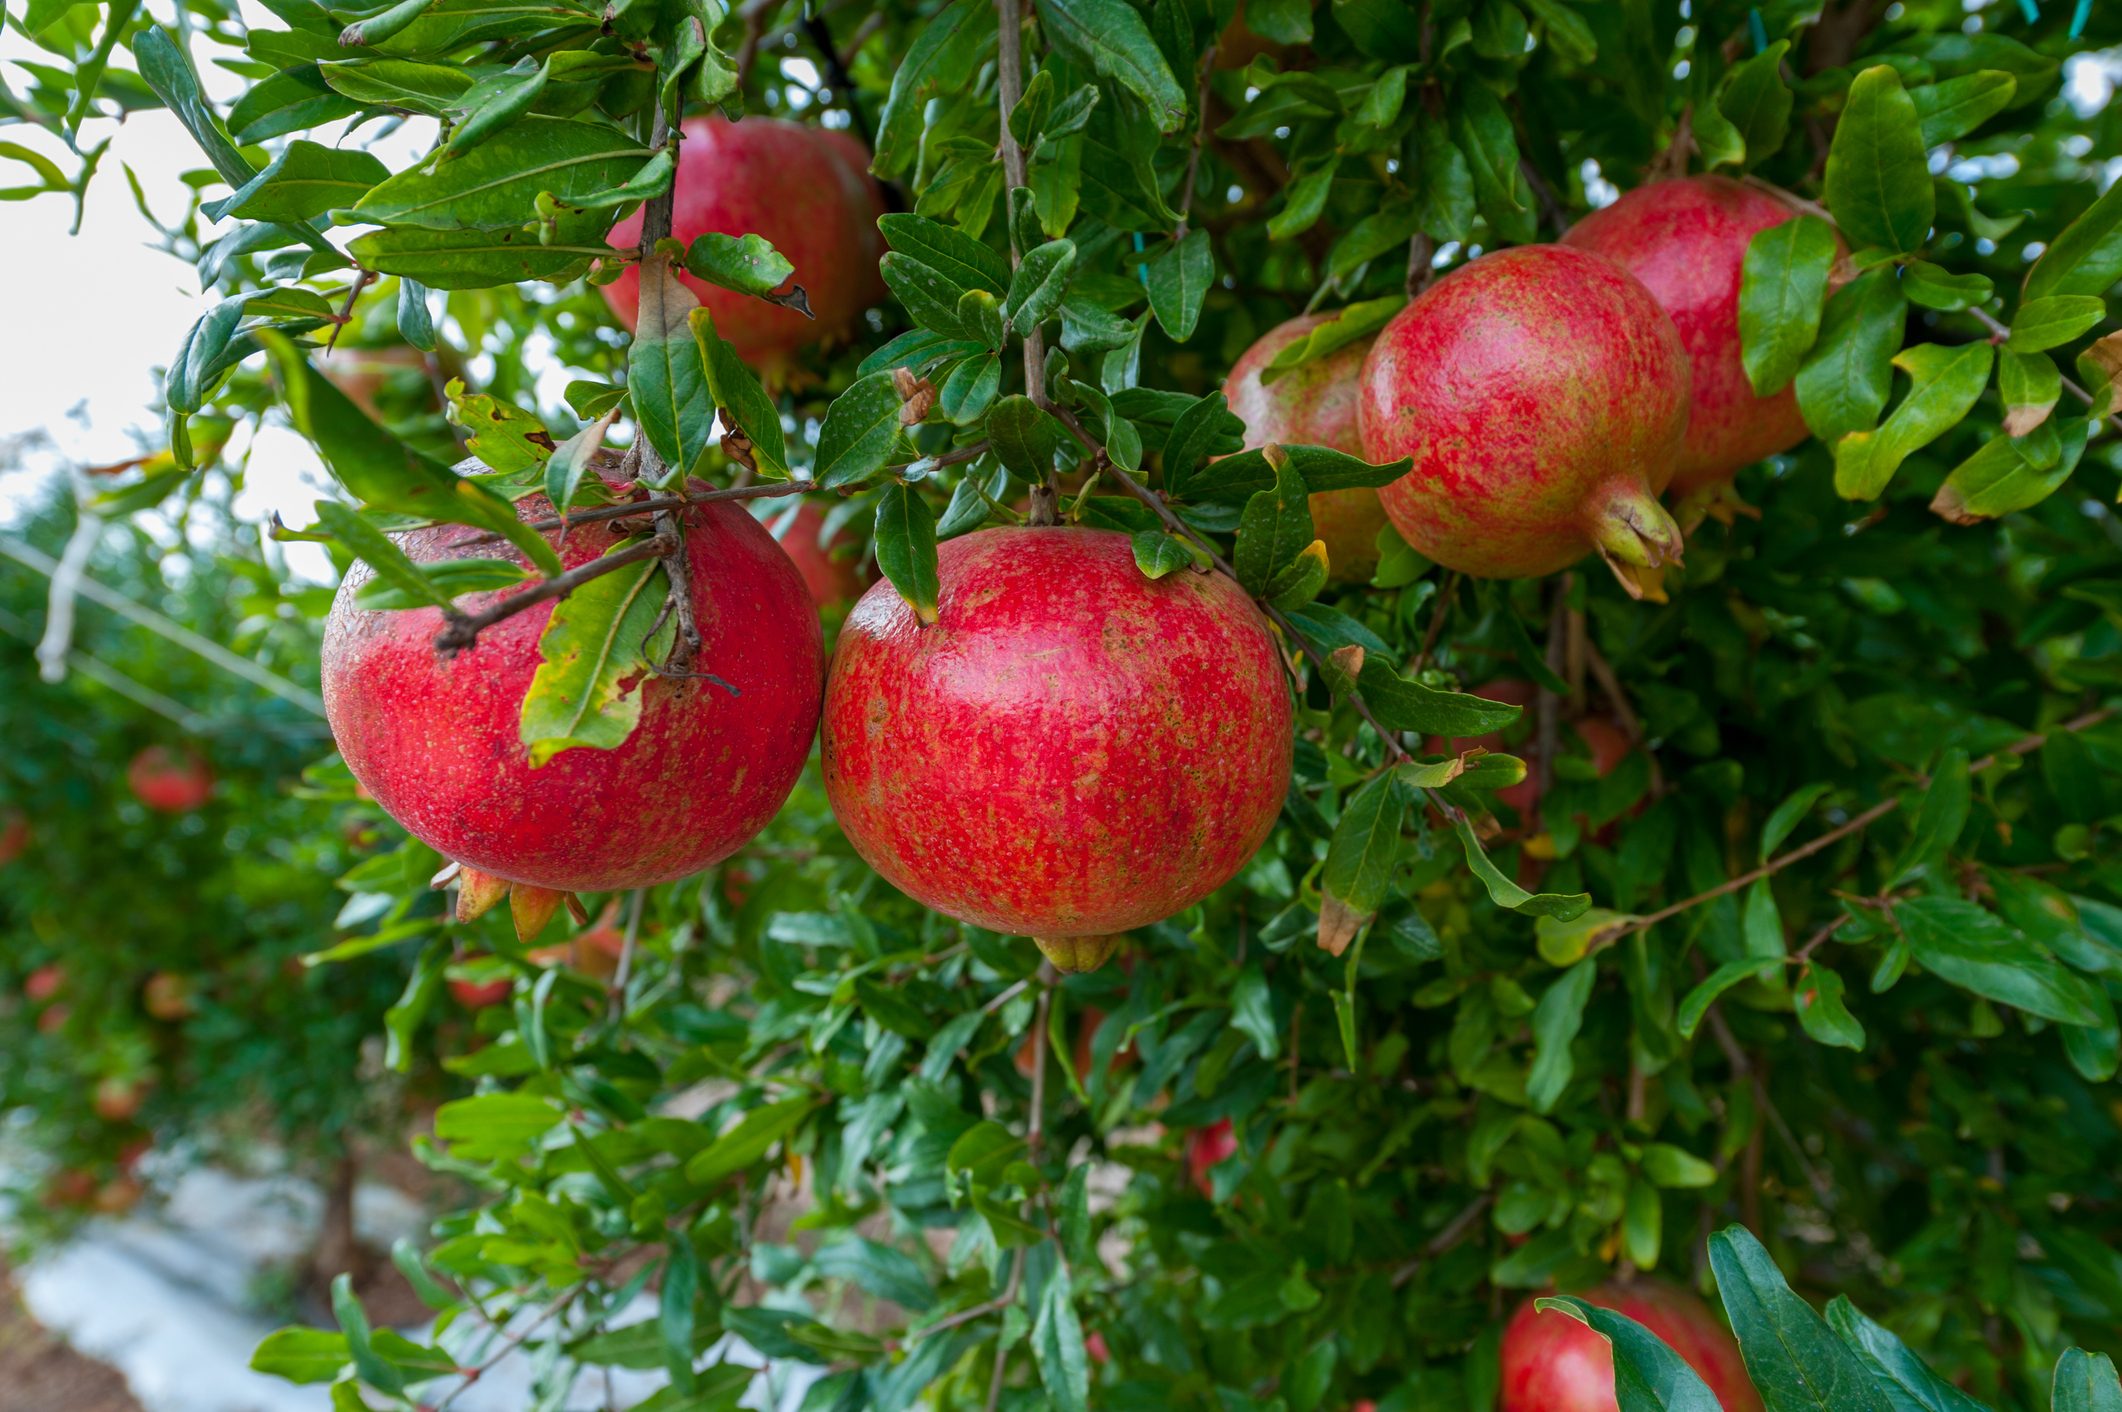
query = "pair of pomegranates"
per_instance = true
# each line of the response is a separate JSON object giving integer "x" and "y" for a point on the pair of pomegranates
{"x": 1547, "y": 394}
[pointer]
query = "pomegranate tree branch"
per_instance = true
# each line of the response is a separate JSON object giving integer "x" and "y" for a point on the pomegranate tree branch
{"x": 1009, "y": 89}
{"x": 346, "y": 311}
{"x": 1193, "y": 158}
{"x": 2024, "y": 746}
{"x": 461, "y": 630}
{"x": 510, "y": 1343}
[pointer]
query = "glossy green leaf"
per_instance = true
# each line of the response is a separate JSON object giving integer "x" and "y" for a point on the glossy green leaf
{"x": 1111, "y": 36}
{"x": 1505, "y": 893}
{"x": 1945, "y": 381}
{"x": 1906, "y": 1377}
{"x": 1556, "y": 1020}
{"x": 1954, "y": 108}
{"x": 1844, "y": 381}
{"x": 1998, "y": 479}
{"x": 860, "y": 432}
{"x": 2053, "y": 320}
{"x": 906, "y": 547}
{"x": 735, "y": 391}
{"x": 595, "y": 654}
{"x": 1795, "y": 1361}
{"x": 1756, "y": 102}
{"x": 497, "y": 183}
{"x": 1781, "y": 287}
{"x": 1275, "y": 528}
{"x": 666, "y": 377}
{"x": 1037, "y": 288}
{"x": 1178, "y": 281}
{"x": 1968, "y": 947}
{"x": 1878, "y": 179}
{"x": 1823, "y": 1010}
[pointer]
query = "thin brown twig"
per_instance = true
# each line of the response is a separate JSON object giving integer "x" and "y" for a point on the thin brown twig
{"x": 1436, "y": 622}
{"x": 346, "y": 311}
{"x": 2024, "y": 746}
{"x": 1453, "y": 1231}
{"x": 1744, "y": 1066}
{"x": 509, "y": 1344}
{"x": 1616, "y": 695}
{"x": 461, "y": 630}
{"x": 1193, "y": 158}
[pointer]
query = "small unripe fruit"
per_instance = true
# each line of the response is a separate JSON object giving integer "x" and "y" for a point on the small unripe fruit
{"x": 1071, "y": 749}
{"x": 1553, "y": 1363}
{"x": 1542, "y": 394}
{"x": 170, "y": 781}
{"x": 1314, "y": 405}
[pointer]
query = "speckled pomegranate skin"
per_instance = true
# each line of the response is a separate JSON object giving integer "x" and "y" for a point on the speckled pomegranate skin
{"x": 1542, "y": 394}
{"x": 1552, "y": 1363}
{"x": 436, "y": 741}
{"x": 1314, "y": 405}
{"x": 1071, "y": 749}
{"x": 809, "y": 192}
{"x": 1686, "y": 241}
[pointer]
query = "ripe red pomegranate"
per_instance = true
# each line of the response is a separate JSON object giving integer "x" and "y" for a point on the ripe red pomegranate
{"x": 479, "y": 995}
{"x": 1314, "y": 405}
{"x": 1686, "y": 241}
{"x": 1543, "y": 396}
{"x": 833, "y": 570}
{"x": 44, "y": 983}
{"x": 14, "y": 835}
{"x": 168, "y": 997}
{"x": 1552, "y": 1363}
{"x": 1070, "y": 750}
{"x": 170, "y": 781}
{"x": 1094, "y": 1347}
{"x": 1205, "y": 1147}
{"x": 437, "y": 740}
{"x": 807, "y": 191}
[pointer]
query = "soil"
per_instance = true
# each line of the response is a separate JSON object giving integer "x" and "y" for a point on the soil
{"x": 38, "y": 1373}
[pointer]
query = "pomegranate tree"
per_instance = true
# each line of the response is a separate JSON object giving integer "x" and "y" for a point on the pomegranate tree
{"x": 1314, "y": 404}
{"x": 1553, "y": 1363}
{"x": 170, "y": 781}
{"x": 1686, "y": 241}
{"x": 1070, "y": 750}
{"x": 809, "y": 193}
{"x": 436, "y": 739}
{"x": 1543, "y": 396}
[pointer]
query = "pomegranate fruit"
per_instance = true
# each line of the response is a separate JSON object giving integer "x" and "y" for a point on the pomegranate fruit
{"x": 436, "y": 740}
{"x": 14, "y": 835}
{"x": 170, "y": 781}
{"x": 808, "y": 192}
{"x": 1314, "y": 405}
{"x": 480, "y": 995}
{"x": 1070, "y": 750}
{"x": 1686, "y": 241}
{"x": 832, "y": 569}
{"x": 167, "y": 997}
{"x": 1552, "y": 1363}
{"x": 1543, "y": 396}
{"x": 44, "y": 983}
{"x": 1205, "y": 1147}
{"x": 117, "y": 1100}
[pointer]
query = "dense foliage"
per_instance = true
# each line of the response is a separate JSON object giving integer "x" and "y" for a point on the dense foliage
{"x": 1826, "y": 952}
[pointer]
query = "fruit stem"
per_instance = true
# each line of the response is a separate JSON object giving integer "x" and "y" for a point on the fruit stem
{"x": 1636, "y": 537}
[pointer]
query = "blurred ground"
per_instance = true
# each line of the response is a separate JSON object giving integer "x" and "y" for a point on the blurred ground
{"x": 39, "y": 1373}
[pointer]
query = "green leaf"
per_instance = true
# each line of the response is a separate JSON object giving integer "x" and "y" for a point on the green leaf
{"x": 946, "y": 51}
{"x": 861, "y": 430}
{"x": 1757, "y": 102}
{"x": 1999, "y": 478}
{"x": 1506, "y": 893}
{"x": 1966, "y": 946}
{"x": 1178, "y": 281}
{"x": 1111, "y": 36}
{"x": 1822, "y": 1010}
{"x": 1404, "y": 704}
{"x": 499, "y": 104}
{"x": 2030, "y": 384}
{"x": 497, "y": 184}
{"x": 928, "y": 295}
{"x": 964, "y": 261}
{"x": 383, "y": 472}
{"x": 1236, "y": 479}
{"x": 1935, "y": 288}
{"x": 1206, "y": 427}
{"x": 1304, "y": 202}
{"x": 168, "y": 71}
{"x": 1041, "y": 281}
{"x": 906, "y": 547}
{"x": 595, "y": 654}
{"x": 415, "y": 324}
{"x": 1567, "y": 32}
{"x": 1846, "y": 378}
{"x": 379, "y": 552}
{"x": 306, "y": 179}
{"x": 2086, "y": 258}
{"x": 1893, "y": 1364}
{"x": 666, "y": 375}
{"x": 1946, "y": 380}
{"x": 1360, "y": 859}
{"x": 1674, "y": 1167}
{"x": 2086, "y": 1382}
{"x": 1788, "y": 815}
{"x": 735, "y": 389}
{"x": 1355, "y": 322}
{"x": 505, "y": 439}
{"x": 1951, "y": 110}
{"x": 571, "y": 461}
{"x": 674, "y": 1306}
{"x": 496, "y": 1126}
{"x": 431, "y": 89}
{"x": 1024, "y": 437}
{"x": 1795, "y": 1361}
{"x": 1158, "y": 553}
{"x": 353, "y": 1324}
{"x": 453, "y": 578}
{"x": 1783, "y": 283}
{"x": 1275, "y": 528}
{"x": 1556, "y": 1020}
{"x": 1483, "y": 132}
{"x": 1878, "y": 180}
{"x": 883, "y": 1271}
{"x": 1940, "y": 817}
{"x": 1692, "y": 1009}
{"x": 971, "y": 387}
{"x": 301, "y": 1355}
{"x": 2053, "y": 320}
{"x": 1057, "y": 1337}
{"x": 748, "y": 1140}
{"x": 479, "y": 259}
{"x": 748, "y": 264}
{"x": 1648, "y": 1376}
